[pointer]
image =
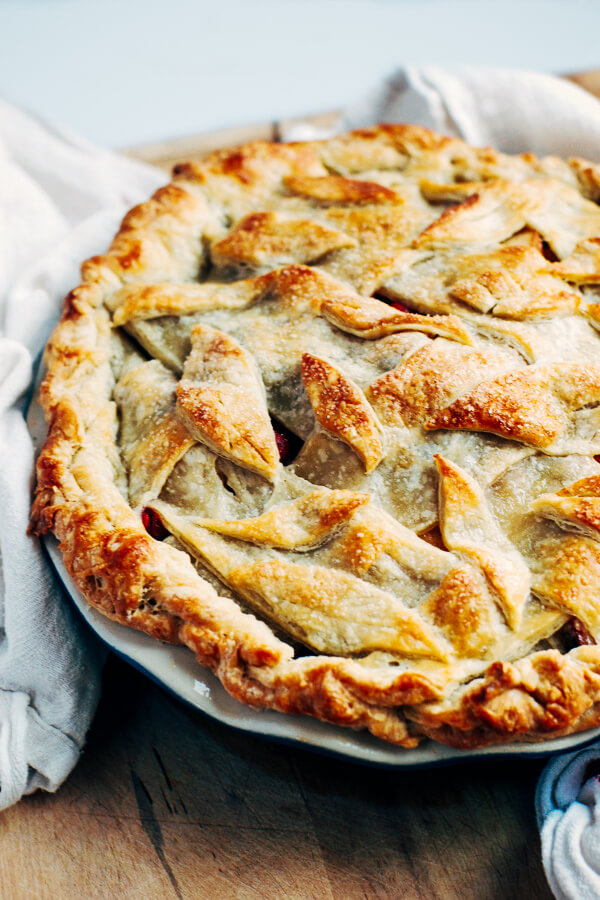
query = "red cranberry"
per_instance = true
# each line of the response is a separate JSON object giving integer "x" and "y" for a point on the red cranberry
{"x": 395, "y": 304}
{"x": 288, "y": 443}
{"x": 548, "y": 253}
{"x": 575, "y": 634}
{"x": 152, "y": 522}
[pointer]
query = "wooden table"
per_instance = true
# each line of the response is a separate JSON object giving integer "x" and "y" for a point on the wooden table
{"x": 166, "y": 803}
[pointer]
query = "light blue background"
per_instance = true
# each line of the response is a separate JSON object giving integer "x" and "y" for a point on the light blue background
{"x": 125, "y": 72}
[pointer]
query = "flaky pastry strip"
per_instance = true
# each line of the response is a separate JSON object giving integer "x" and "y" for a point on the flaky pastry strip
{"x": 536, "y": 405}
{"x": 152, "y": 438}
{"x": 469, "y": 528}
{"x": 342, "y": 409}
{"x": 301, "y": 525}
{"x": 575, "y": 507}
{"x": 149, "y": 301}
{"x": 337, "y": 190}
{"x": 267, "y": 239}
{"x": 371, "y": 319}
{"x": 220, "y": 400}
{"x": 429, "y": 380}
{"x": 329, "y": 610}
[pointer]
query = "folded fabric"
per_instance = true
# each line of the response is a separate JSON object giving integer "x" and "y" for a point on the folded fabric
{"x": 568, "y": 812}
{"x": 507, "y": 109}
{"x": 49, "y": 661}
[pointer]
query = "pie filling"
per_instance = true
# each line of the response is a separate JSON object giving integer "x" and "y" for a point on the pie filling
{"x": 328, "y": 414}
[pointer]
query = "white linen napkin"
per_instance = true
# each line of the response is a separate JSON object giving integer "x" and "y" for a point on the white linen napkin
{"x": 567, "y": 805}
{"x": 49, "y": 682}
{"x": 52, "y": 187}
{"x": 507, "y": 109}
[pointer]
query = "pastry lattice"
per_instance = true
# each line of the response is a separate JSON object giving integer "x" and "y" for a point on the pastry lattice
{"x": 422, "y": 316}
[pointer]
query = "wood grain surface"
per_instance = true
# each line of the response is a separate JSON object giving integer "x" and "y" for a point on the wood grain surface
{"x": 166, "y": 803}
{"x": 165, "y": 154}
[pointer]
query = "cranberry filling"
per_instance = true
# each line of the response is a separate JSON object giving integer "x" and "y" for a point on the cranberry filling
{"x": 575, "y": 634}
{"x": 288, "y": 443}
{"x": 393, "y": 303}
{"x": 548, "y": 253}
{"x": 152, "y": 522}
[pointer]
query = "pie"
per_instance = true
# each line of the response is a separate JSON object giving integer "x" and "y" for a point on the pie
{"x": 328, "y": 414}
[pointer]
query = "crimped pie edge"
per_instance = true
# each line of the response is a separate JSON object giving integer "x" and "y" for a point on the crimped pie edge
{"x": 119, "y": 568}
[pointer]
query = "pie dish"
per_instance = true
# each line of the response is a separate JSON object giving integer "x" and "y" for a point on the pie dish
{"x": 326, "y": 414}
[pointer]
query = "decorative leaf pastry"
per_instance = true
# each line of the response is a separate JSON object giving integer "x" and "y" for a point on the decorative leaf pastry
{"x": 583, "y": 265}
{"x": 430, "y": 378}
{"x": 575, "y": 507}
{"x": 153, "y": 440}
{"x": 571, "y": 578}
{"x": 221, "y": 402}
{"x": 303, "y": 598}
{"x": 149, "y": 301}
{"x": 266, "y": 239}
{"x": 463, "y": 608}
{"x": 468, "y": 527}
{"x": 336, "y": 190}
{"x": 500, "y": 208}
{"x": 371, "y": 319}
{"x": 304, "y": 524}
{"x": 342, "y": 409}
{"x": 335, "y": 612}
{"x": 538, "y": 406}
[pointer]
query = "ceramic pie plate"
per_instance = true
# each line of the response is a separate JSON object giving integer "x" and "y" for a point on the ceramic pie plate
{"x": 176, "y": 669}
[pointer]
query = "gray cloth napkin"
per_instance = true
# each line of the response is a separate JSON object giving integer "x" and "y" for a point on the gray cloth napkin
{"x": 567, "y": 805}
{"x": 52, "y": 187}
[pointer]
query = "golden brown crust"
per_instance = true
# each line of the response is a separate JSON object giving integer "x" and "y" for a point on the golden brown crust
{"x": 335, "y": 190}
{"x": 468, "y": 527}
{"x": 342, "y": 409}
{"x": 462, "y": 608}
{"x": 248, "y": 278}
{"x": 575, "y": 507}
{"x": 302, "y": 524}
{"x": 221, "y": 403}
{"x": 265, "y": 239}
{"x": 534, "y": 405}
{"x": 547, "y": 695}
{"x": 368, "y": 318}
{"x": 426, "y": 383}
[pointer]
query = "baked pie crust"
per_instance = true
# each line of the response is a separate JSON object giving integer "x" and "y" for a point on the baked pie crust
{"x": 419, "y": 319}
